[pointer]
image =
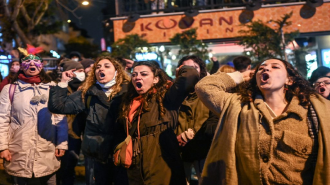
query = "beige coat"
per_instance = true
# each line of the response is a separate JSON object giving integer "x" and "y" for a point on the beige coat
{"x": 30, "y": 131}
{"x": 234, "y": 157}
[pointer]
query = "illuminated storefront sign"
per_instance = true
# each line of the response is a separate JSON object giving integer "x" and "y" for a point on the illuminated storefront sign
{"x": 219, "y": 25}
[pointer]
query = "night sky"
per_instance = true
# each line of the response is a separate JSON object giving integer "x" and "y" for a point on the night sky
{"x": 91, "y": 19}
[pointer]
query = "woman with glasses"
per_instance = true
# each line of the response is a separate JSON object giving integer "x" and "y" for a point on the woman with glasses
{"x": 320, "y": 80}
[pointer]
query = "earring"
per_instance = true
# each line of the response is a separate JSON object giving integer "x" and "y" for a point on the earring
{"x": 286, "y": 87}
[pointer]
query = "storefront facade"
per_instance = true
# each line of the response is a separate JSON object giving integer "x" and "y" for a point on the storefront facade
{"x": 220, "y": 27}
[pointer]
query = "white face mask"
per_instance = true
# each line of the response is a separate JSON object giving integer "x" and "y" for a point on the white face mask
{"x": 81, "y": 76}
{"x": 75, "y": 59}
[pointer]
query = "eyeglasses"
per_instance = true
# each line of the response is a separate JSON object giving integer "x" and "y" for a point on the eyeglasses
{"x": 317, "y": 84}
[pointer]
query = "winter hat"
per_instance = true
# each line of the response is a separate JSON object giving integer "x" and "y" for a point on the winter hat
{"x": 87, "y": 63}
{"x": 69, "y": 64}
{"x": 75, "y": 54}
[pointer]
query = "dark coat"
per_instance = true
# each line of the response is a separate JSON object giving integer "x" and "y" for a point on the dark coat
{"x": 195, "y": 115}
{"x": 159, "y": 161}
{"x": 100, "y": 127}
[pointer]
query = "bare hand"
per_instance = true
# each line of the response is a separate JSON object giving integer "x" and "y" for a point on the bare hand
{"x": 180, "y": 140}
{"x": 67, "y": 75}
{"x": 214, "y": 59}
{"x": 247, "y": 75}
{"x": 5, "y": 155}
{"x": 59, "y": 152}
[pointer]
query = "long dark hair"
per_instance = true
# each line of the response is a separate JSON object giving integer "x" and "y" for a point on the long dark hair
{"x": 157, "y": 91}
{"x": 300, "y": 87}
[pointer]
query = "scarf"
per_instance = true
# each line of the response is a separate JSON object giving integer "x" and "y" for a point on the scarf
{"x": 136, "y": 103}
{"x": 31, "y": 80}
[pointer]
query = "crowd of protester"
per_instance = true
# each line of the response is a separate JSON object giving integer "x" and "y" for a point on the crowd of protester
{"x": 136, "y": 125}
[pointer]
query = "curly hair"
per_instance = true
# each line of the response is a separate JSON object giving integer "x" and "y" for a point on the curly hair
{"x": 300, "y": 87}
{"x": 122, "y": 77}
{"x": 157, "y": 92}
{"x": 197, "y": 60}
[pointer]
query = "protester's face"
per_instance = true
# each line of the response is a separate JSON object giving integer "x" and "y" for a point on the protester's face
{"x": 15, "y": 67}
{"x": 192, "y": 64}
{"x": 143, "y": 79}
{"x": 272, "y": 76}
{"x": 88, "y": 69}
{"x": 31, "y": 67}
{"x": 105, "y": 71}
{"x": 322, "y": 86}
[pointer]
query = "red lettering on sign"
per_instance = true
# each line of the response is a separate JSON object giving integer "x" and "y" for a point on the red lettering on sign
{"x": 206, "y": 21}
{"x": 163, "y": 27}
{"x": 230, "y": 22}
{"x": 164, "y": 34}
{"x": 207, "y": 31}
{"x": 228, "y": 29}
{"x": 146, "y": 27}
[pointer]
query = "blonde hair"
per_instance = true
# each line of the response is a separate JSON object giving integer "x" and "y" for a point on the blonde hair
{"x": 122, "y": 77}
{"x": 227, "y": 69}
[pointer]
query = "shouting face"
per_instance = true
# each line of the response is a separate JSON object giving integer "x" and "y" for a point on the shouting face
{"x": 272, "y": 76}
{"x": 105, "y": 71}
{"x": 143, "y": 79}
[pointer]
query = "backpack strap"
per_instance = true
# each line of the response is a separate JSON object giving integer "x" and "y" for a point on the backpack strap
{"x": 88, "y": 102}
{"x": 12, "y": 89}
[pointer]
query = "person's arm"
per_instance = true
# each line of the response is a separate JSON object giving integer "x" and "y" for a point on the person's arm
{"x": 215, "y": 66}
{"x": 212, "y": 89}
{"x": 62, "y": 103}
{"x": 183, "y": 85}
{"x": 61, "y": 134}
{"x": 5, "y": 108}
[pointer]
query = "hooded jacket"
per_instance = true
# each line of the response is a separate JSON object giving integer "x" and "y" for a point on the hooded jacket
{"x": 30, "y": 132}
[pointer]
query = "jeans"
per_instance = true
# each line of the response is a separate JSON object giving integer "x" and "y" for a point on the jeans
{"x": 98, "y": 173}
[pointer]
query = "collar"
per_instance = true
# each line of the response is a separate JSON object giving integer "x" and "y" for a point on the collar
{"x": 23, "y": 85}
{"x": 293, "y": 107}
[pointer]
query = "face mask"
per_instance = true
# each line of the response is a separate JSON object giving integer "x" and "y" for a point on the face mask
{"x": 80, "y": 75}
{"x": 15, "y": 68}
{"x": 75, "y": 59}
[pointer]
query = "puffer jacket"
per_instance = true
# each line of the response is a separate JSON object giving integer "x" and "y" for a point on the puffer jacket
{"x": 98, "y": 140}
{"x": 30, "y": 132}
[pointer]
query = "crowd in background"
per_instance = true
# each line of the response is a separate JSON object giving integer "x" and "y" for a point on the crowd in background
{"x": 232, "y": 125}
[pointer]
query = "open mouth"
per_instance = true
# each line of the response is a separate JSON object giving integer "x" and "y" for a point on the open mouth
{"x": 32, "y": 69}
{"x": 321, "y": 90}
{"x": 102, "y": 75}
{"x": 138, "y": 84}
{"x": 264, "y": 77}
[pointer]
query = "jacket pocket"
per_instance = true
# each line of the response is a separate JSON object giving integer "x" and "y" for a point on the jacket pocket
{"x": 296, "y": 144}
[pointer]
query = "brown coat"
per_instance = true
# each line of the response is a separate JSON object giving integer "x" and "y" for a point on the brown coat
{"x": 239, "y": 141}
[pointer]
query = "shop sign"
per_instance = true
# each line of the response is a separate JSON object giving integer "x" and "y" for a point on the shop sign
{"x": 219, "y": 25}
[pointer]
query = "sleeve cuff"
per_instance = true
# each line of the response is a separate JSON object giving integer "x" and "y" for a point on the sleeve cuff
{"x": 236, "y": 76}
{"x": 63, "y": 84}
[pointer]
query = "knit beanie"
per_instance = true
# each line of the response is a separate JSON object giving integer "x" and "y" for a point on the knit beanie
{"x": 69, "y": 64}
{"x": 87, "y": 63}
